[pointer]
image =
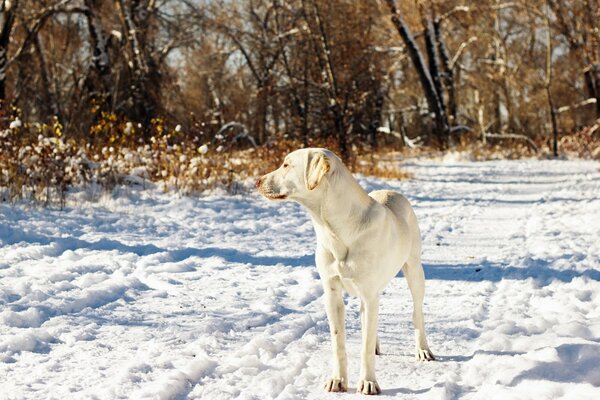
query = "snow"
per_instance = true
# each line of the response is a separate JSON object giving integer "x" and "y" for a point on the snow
{"x": 15, "y": 124}
{"x": 153, "y": 295}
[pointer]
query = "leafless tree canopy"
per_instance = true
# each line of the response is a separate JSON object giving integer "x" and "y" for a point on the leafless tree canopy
{"x": 351, "y": 72}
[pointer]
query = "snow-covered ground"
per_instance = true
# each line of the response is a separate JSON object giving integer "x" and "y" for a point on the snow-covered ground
{"x": 150, "y": 295}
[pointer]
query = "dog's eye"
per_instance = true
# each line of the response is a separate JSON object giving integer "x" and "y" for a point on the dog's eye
{"x": 285, "y": 165}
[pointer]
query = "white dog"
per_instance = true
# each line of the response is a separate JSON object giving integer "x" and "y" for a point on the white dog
{"x": 362, "y": 243}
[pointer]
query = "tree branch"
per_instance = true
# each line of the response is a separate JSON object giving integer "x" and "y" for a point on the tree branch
{"x": 40, "y": 20}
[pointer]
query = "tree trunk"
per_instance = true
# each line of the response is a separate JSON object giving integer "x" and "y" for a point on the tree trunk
{"x": 427, "y": 83}
{"x": 592, "y": 82}
{"x": 553, "y": 121}
{"x": 548, "y": 82}
{"x": 434, "y": 64}
{"x": 499, "y": 65}
{"x": 376, "y": 114}
{"x": 145, "y": 72}
{"x": 306, "y": 104}
{"x": 323, "y": 52}
{"x": 448, "y": 75}
{"x": 300, "y": 118}
{"x": 578, "y": 43}
{"x": 260, "y": 119}
{"x": 7, "y": 19}
{"x": 101, "y": 63}
{"x": 50, "y": 103}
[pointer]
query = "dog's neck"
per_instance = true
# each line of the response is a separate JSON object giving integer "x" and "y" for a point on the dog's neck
{"x": 336, "y": 211}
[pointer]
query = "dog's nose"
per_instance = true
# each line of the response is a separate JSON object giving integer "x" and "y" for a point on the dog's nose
{"x": 258, "y": 182}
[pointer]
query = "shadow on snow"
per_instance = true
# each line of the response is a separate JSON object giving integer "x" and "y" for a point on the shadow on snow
{"x": 540, "y": 270}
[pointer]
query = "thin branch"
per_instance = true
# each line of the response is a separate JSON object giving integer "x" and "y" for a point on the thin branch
{"x": 505, "y": 5}
{"x": 452, "y": 12}
{"x": 591, "y": 100}
{"x": 460, "y": 50}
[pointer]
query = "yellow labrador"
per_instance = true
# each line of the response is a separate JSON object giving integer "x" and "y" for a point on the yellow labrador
{"x": 362, "y": 243}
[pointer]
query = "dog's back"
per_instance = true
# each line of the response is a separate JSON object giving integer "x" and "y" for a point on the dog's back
{"x": 402, "y": 209}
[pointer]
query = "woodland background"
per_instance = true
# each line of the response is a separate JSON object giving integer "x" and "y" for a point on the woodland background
{"x": 194, "y": 93}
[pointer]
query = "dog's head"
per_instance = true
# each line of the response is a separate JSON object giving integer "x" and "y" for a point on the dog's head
{"x": 302, "y": 173}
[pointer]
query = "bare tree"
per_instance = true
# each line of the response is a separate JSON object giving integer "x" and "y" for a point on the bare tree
{"x": 100, "y": 76}
{"x": 578, "y": 22}
{"x": 431, "y": 87}
{"x": 311, "y": 71}
{"x": 320, "y": 39}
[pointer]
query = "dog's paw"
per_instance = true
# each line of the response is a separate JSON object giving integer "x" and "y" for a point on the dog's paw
{"x": 368, "y": 387}
{"x": 424, "y": 355}
{"x": 336, "y": 385}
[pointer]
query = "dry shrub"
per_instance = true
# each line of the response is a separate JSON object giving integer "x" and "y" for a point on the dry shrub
{"x": 495, "y": 149}
{"x": 383, "y": 163}
{"x": 254, "y": 162}
{"x": 38, "y": 164}
{"x": 584, "y": 143}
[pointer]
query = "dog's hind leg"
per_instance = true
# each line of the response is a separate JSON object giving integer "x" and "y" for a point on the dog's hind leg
{"x": 415, "y": 277}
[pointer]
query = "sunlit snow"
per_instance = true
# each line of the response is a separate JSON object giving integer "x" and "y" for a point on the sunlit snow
{"x": 153, "y": 295}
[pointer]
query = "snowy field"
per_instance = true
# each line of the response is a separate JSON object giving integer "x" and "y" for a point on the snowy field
{"x": 151, "y": 295}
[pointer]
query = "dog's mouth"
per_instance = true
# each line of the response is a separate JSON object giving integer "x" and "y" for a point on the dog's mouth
{"x": 272, "y": 196}
{"x": 267, "y": 191}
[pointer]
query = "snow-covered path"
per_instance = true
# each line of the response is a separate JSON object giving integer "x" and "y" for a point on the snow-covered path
{"x": 154, "y": 296}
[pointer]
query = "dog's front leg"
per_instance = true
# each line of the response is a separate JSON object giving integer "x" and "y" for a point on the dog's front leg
{"x": 368, "y": 383}
{"x": 334, "y": 305}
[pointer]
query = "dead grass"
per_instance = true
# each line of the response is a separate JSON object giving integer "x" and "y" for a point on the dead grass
{"x": 382, "y": 163}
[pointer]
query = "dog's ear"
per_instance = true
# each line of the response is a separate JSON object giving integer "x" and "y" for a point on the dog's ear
{"x": 317, "y": 166}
